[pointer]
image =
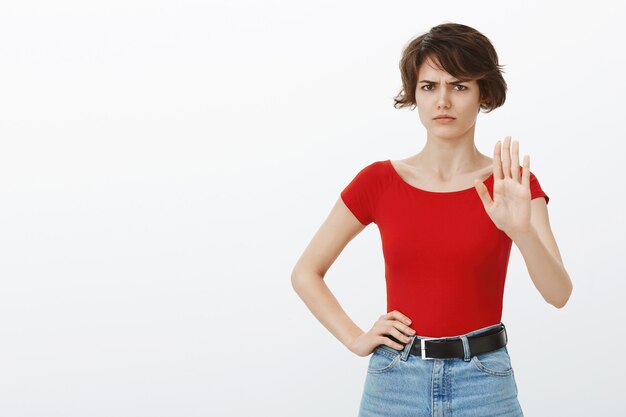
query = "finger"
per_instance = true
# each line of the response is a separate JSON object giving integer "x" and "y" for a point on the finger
{"x": 515, "y": 168}
{"x": 497, "y": 163}
{"x": 396, "y": 335}
{"x": 393, "y": 331}
{"x": 384, "y": 340}
{"x": 401, "y": 327}
{"x": 526, "y": 172}
{"x": 483, "y": 193}
{"x": 506, "y": 157}
{"x": 395, "y": 314}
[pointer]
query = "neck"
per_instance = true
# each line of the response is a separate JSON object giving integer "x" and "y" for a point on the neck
{"x": 449, "y": 156}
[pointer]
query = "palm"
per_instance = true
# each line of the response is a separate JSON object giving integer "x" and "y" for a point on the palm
{"x": 510, "y": 208}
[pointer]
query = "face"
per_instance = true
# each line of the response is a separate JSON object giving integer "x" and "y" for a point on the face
{"x": 438, "y": 93}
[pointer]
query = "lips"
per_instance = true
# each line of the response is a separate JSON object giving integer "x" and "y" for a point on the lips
{"x": 444, "y": 117}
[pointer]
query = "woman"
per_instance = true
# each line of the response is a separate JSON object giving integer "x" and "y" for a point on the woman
{"x": 447, "y": 217}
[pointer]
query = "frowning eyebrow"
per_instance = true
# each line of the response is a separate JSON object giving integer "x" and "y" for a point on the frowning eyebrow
{"x": 434, "y": 82}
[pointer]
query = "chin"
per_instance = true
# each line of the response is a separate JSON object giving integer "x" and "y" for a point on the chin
{"x": 446, "y": 131}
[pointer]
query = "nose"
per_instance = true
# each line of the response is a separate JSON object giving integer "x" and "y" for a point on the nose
{"x": 443, "y": 99}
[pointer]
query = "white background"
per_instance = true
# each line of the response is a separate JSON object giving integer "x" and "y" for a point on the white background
{"x": 163, "y": 164}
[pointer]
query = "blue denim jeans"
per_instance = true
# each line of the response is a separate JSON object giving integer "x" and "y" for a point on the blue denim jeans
{"x": 398, "y": 384}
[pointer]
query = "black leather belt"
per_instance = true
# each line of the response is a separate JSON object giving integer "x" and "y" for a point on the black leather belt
{"x": 452, "y": 347}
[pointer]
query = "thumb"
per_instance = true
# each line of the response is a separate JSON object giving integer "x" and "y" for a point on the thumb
{"x": 483, "y": 193}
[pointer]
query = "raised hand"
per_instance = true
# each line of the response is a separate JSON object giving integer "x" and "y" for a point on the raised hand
{"x": 510, "y": 208}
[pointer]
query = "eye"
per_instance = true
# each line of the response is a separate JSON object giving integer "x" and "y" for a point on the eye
{"x": 429, "y": 87}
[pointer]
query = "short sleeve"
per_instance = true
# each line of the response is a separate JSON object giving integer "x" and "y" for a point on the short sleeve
{"x": 535, "y": 189}
{"x": 361, "y": 194}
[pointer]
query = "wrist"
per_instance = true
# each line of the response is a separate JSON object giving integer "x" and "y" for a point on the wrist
{"x": 352, "y": 339}
{"x": 521, "y": 238}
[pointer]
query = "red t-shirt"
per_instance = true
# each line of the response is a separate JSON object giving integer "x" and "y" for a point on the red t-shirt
{"x": 445, "y": 259}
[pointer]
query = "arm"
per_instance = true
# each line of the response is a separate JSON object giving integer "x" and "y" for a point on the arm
{"x": 307, "y": 277}
{"x": 525, "y": 221}
{"x": 541, "y": 255}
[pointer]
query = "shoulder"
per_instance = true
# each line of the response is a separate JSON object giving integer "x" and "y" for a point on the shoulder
{"x": 363, "y": 192}
{"x": 376, "y": 167}
{"x": 374, "y": 176}
{"x": 373, "y": 172}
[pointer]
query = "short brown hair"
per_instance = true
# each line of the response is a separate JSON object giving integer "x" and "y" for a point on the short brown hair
{"x": 462, "y": 52}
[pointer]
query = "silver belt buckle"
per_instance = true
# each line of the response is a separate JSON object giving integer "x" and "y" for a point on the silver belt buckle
{"x": 423, "y": 345}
